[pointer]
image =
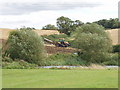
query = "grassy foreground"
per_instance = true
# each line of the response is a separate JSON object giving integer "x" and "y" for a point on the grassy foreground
{"x": 46, "y": 78}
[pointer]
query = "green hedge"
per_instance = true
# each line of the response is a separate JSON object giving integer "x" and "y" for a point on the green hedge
{"x": 17, "y": 64}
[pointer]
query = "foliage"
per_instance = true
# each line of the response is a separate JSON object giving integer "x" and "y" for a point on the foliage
{"x": 93, "y": 42}
{"x": 25, "y": 45}
{"x": 112, "y": 60}
{"x": 109, "y": 24}
{"x": 66, "y": 25}
{"x": 18, "y": 64}
{"x": 49, "y": 27}
{"x": 56, "y": 37}
{"x": 7, "y": 59}
{"x": 116, "y": 48}
{"x": 27, "y": 28}
{"x": 64, "y": 59}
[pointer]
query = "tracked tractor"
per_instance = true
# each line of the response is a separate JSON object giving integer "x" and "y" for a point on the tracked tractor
{"x": 60, "y": 43}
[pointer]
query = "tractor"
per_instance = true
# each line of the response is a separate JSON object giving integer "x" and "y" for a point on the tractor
{"x": 60, "y": 43}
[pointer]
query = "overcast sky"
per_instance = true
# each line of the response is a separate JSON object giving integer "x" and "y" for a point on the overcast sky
{"x": 38, "y": 13}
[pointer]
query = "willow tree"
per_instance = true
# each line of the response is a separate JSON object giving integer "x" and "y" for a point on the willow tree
{"x": 26, "y": 45}
{"x": 93, "y": 42}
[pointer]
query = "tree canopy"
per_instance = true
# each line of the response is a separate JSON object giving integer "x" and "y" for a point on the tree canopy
{"x": 25, "y": 45}
{"x": 109, "y": 24}
{"x": 66, "y": 25}
{"x": 93, "y": 42}
{"x": 49, "y": 27}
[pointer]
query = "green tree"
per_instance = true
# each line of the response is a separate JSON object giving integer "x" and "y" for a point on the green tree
{"x": 26, "y": 45}
{"x": 78, "y": 23}
{"x": 49, "y": 27}
{"x": 64, "y": 25}
{"x": 109, "y": 24}
{"x": 28, "y": 28}
{"x": 93, "y": 42}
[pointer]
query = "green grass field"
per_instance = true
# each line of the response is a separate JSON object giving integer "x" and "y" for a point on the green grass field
{"x": 47, "y": 78}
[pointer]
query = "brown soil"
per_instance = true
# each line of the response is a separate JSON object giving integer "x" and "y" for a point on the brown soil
{"x": 54, "y": 49}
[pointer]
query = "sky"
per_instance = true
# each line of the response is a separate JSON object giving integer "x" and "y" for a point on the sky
{"x": 38, "y": 13}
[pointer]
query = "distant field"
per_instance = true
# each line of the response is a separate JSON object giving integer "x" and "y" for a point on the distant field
{"x": 45, "y": 78}
{"x": 5, "y": 32}
{"x": 114, "y": 34}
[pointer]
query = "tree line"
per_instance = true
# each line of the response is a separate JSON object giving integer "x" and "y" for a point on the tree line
{"x": 66, "y": 25}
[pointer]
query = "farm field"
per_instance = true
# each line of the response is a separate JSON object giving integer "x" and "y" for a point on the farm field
{"x": 113, "y": 33}
{"x": 48, "y": 78}
{"x": 5, "y": 32}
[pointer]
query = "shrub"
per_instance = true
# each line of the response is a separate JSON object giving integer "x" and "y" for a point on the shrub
{"x": 112, "y": 60}
{"x": 26, "y": 45}
{"x": 7, "y": 59}
{"x": 49, "y": 27}
{"x": 93, "y": 42}
{"x": 18, "y": 64}
{"x": 116, "y": 48}
{"x": 64, "y": 59}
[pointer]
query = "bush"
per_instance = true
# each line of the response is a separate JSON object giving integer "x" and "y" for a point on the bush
{"x": 64, "y": 59}
{"x": 18, "y": 64}
{"x": 26, "y": 45}
{"x": 116, "y": 48}
{"x": 49, "y": 27}
{"x": 7, "y": 59}
{"x": 112, "y": 60}
{"x": 93, "y": 42}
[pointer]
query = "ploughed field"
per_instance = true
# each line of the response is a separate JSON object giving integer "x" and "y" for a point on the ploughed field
{"x": 52, "y": 49}
{"x": 50, "y": 78}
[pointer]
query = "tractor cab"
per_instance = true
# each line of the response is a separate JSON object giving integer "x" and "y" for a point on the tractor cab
{"x": 63, "y": 43}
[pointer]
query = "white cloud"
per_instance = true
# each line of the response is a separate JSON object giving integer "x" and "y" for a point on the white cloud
{"x": 39, "y": 17}
{"x": 15, "y": 8}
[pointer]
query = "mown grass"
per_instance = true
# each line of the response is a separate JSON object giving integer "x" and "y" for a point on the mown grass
{"x": 47, "y": 78}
